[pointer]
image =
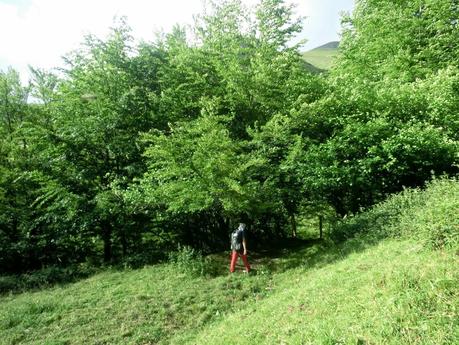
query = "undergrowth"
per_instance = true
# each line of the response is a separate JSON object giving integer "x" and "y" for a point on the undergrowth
{"x": 428, "y": 215}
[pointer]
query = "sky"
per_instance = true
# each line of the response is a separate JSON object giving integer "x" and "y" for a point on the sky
{"x": 40, "y": 32}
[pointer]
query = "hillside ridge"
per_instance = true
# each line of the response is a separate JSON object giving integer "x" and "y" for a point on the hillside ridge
{"x": 323, "y": 56}
{"x": 328, "y": 45}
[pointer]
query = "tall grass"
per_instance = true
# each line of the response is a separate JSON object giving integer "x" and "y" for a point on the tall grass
{"x": 430, "y": 216}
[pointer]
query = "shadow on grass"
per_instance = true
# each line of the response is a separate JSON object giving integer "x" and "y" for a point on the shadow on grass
{"x": 45, "y": 278}
{"x": 54, "y": 275}
{"x": 283, "y": 255}
{"x": 293, "y": 253}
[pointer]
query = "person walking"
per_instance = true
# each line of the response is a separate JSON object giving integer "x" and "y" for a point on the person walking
{"x": 239, "y": 247}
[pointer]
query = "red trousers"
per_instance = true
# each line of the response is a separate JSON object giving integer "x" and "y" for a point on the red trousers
{"x": 234, "y": 256}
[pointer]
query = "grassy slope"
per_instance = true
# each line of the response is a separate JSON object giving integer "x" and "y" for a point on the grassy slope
{"x": 393, "y": 293}
{"x": 128, "y": 307}
{"x": 321, "y": 57}
{"x": 367, "y": 290}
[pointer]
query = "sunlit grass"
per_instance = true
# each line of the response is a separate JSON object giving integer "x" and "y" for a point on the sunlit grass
{"x": 140, "y": 306}
{"x": 392, "y": 293}
{"x": 322, "y": 58}
{"x": 388, "y": 283}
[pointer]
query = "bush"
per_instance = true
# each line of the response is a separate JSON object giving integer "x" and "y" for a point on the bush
{"x": 191, "y": 262}
{"x": 436, "y": 221}
{"x": 428, "y": 215}
{"x": 380, "y": 220}
{"x": 142, "y": 259}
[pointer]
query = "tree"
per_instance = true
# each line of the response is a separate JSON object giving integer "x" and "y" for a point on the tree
{"x": 221, "y": 89}
{"x": 395, "y": 77}
{"x": 401, "y": 40}
{"x": 87, "y": 150}
{"x": 15, "y": 194}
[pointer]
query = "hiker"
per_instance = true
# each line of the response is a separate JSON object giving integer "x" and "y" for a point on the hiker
{"x": 239, "y": 247}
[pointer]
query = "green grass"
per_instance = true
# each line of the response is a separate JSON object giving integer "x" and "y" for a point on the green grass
{"x": 321, "y": 57}
{"x": 393, "y": 293}
{"x": 141, "y": 306}
{"x": 393, "y": 280}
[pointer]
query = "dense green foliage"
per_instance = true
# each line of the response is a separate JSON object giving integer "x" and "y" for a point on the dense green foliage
{"x": 370, "y": 289}
{"x": 135, "y": 148}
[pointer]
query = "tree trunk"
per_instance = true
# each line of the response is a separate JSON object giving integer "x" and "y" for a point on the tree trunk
{"x": 277, "y": 225}
{"x": 338, "y": 205}
{"x": 124, "y": 242}
{"x": 293, "y": 224}
{"x": 223, "y": 231}
{"x": 107, "y": 238}
{"x": 320, "y": 226}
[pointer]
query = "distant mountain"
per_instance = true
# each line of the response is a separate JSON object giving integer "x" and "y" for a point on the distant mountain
{"x": 322, "y": 57}
{"x": 329, "y": 45}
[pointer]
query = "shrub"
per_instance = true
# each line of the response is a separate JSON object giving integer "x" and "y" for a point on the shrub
{"x": 428, "y": 215}
{"x": 188, "y": 261}
{"x": 435, "y": 221}
{"x": 143, "y": 258}
{"x": 377, "y": 221}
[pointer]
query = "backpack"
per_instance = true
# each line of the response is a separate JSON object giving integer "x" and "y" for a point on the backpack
{"x": 236, "y": 240}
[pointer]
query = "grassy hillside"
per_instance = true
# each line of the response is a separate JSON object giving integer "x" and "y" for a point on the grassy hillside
{"x": 322, "y": 57}
{"x": 393, "y": 293}
{"x": 394, "y": 280}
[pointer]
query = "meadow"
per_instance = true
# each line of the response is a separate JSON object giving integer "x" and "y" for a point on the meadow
{"x": 376, "y": 279}
{"x": 322, "y": 57}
